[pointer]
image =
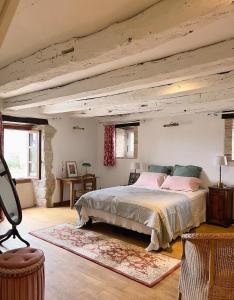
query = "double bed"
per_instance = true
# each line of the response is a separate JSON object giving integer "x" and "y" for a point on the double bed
{"x": 162, "y": 214}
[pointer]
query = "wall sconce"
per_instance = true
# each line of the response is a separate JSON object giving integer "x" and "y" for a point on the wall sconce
{"x": 77, "y": 128}
{"x": 172, "y": 124}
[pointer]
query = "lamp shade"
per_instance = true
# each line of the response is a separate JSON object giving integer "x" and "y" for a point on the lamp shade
{"x": 136, "y": 165}
{"x": 221, "y": 160}
{"x": 86, "y": 164}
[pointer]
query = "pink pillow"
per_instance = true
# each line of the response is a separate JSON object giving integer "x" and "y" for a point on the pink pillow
{"x": 180, "y": 183}
{"x": 151, "y": 179}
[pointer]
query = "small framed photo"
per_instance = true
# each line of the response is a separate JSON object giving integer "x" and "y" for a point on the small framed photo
{"x": 71, "y": 169}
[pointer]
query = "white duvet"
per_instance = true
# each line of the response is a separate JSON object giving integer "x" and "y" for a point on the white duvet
{"x": 163, "y": 214}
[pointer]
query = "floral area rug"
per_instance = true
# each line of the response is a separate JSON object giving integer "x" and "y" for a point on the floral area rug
{"x": 129, "y": 260}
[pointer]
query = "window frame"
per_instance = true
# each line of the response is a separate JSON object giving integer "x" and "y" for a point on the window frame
{"x": 133, "y": 128}
{"x": 29, "y": 128}
{"x": 228, "y": 139}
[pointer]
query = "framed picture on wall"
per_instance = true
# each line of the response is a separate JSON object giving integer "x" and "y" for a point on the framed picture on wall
{"x": 71, "y": 169}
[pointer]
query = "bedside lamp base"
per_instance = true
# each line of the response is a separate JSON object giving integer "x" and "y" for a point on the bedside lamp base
{"x": 220, "y": 185}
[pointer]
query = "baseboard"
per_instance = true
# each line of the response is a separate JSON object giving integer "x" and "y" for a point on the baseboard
{"x": 62, "y": 204}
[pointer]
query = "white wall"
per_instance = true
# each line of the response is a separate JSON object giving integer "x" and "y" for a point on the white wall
{"x": 26, "y": 194}
{"x": 197, "y": 140}
{"x": 73, "y": 145}
{"x": 67, "y": 144}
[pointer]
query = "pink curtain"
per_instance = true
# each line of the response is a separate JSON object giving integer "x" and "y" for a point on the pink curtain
{"x": 1, "y": 151}
{"x": 109, "y": 146}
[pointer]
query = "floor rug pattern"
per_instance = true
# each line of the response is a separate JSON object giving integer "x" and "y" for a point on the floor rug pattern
{"x": 129, "y": 260}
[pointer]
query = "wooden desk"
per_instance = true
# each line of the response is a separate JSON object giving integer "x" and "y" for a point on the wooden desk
{"x": 72, "y": 181}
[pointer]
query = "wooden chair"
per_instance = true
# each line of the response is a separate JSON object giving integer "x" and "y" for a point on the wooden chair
{"x": 88, "y": 184}
{"x": 207, "y": 268}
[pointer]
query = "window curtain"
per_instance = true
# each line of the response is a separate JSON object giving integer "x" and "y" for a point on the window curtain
{"x": 109, "y": 146}
{"x": 1, "y": 150}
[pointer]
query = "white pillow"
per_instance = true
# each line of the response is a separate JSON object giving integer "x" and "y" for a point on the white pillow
{"x": 181, "y": 183}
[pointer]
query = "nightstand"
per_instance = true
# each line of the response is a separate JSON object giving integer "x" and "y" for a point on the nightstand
{"x": 219, "y": 206}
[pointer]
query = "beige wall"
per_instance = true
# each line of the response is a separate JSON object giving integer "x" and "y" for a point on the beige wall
{"x": 68, "y": 145}
{"x": 26, "y": 194}
{"x": 197, "y": 140}
{"x": 73, "y": 145}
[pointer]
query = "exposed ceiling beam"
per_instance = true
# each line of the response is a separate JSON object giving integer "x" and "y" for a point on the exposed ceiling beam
{"x": 170, "y": 105}
{"x": 147, "y": 97}
{"x": 192, "y": 64}
{"x": 198, "y": 108}
{"x": 7, "y": 11}
{"x": 115, "y": 46}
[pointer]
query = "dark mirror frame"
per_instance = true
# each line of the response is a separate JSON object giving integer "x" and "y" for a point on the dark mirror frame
{"x": 12, "y": 232}
{"x": 2, "y": 205}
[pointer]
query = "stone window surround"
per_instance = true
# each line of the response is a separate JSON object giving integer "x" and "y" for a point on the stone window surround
{"x": 44, "y": 187}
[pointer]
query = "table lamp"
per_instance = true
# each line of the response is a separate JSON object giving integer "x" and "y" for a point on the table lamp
{"x": 136, "y": 166}
{"x": 86, "y": 165}
{"x": 221, "y": 160}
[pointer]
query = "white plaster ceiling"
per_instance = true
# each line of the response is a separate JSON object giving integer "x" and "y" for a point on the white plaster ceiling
{"x": 40, "y": 23}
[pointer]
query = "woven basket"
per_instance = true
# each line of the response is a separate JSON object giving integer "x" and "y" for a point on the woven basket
{"x": 22, "y": 275}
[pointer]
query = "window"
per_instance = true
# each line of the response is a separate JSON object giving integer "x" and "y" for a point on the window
{"x": 229, "y": 139}
{"x": 22, "y": 152}
{"x": 126, "y": 141}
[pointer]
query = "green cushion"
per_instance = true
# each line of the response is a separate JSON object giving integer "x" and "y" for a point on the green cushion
{"x": 160, "y": 169}
{"x": 187, "y": 171}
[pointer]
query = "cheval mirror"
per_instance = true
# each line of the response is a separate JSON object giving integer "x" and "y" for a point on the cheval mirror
{"x": 9, "y": 203}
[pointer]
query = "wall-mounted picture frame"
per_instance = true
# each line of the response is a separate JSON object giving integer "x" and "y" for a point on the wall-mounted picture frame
{"x": 71, "y": 169}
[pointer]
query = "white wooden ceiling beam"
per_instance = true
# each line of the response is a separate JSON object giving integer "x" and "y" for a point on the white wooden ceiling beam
{"x": 172, "y": 104}
{"x": 113, "y": 47}
{"x": 150, "y": 96}
{"x": 192, "y": 64}
{"x": 173, "y": 112}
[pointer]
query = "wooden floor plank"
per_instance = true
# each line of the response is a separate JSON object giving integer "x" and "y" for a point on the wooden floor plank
{"x": 70, "y": 277}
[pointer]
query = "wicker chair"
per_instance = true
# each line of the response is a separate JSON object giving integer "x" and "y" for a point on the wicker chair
{"x": 207, "y": 268}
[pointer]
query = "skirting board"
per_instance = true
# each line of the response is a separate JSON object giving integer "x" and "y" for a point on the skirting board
{"x": 61, "y": 204}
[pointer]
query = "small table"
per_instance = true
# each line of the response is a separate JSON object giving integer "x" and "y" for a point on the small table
{"x": 72, "y": 181}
